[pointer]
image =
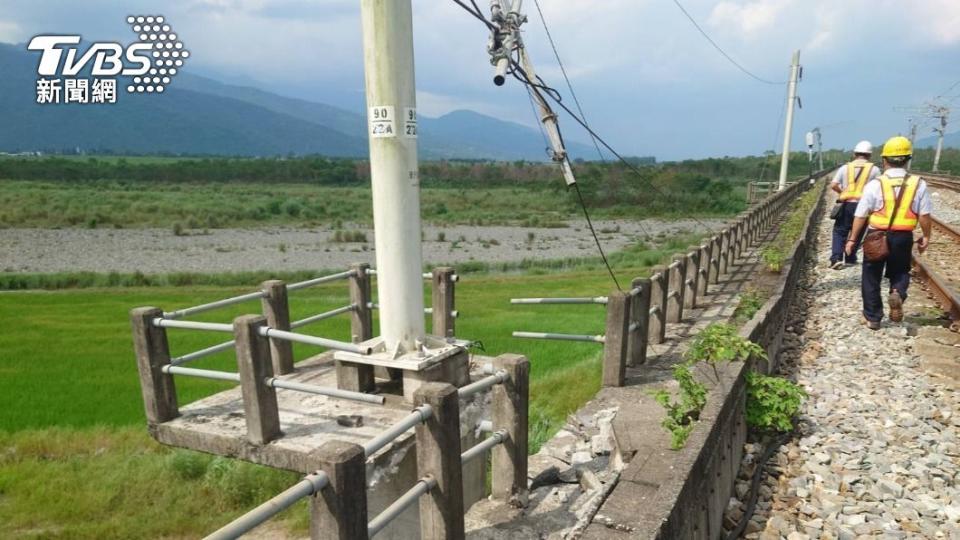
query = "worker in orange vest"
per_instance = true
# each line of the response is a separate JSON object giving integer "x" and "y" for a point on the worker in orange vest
{"x": 849, "y": 182}
{"x": 895, "y": 202}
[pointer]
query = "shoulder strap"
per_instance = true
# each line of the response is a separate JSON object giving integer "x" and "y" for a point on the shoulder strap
{"x": 896, "y": 206}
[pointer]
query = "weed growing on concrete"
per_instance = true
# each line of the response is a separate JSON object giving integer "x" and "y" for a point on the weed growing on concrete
{"x": 750, "y": 303}
{"x": 772, "y": 402}
{"x": 721, "y": 342}
{"x": 682, "y": 414}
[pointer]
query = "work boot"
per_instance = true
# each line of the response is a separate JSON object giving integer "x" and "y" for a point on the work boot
{"x": 873, "y": 325}
{"x": 837, "y": 265}
{"x": 896, "y": 306}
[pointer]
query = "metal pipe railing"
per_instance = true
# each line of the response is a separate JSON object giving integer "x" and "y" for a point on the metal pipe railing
{"x": 419, "y": 415}
{"x": 312, "y": 340}
{"x": 212, "y": 305}
{"x": 226, "y": 345}
{"x": 654, "y": 310}
{"x": 193, "y": 325}
{"x": 323, "y": 390}
{"x": 561, "y": 337}
{"x": 321, "y": 316}
{"x": 426, "y": 275}
{"x": 482, "y": 384}
{"x": 428, "y": 310}
{"x": 423, "y": 486}
{"x": 310, "y": 484}
{"x": 595, "y": 300}
{"x": 495, "y": 438}
{"x": 201, "y": 373}
{"x": 633, "y": 327}
{"x": 317, "y": 281}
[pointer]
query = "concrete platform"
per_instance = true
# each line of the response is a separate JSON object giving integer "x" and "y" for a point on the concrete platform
{"x": 216, "y": 425}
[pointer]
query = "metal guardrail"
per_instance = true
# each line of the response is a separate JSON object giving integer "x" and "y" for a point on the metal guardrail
{"x": 274, "y": 333}
{"x": 595, "y": 300}
{"x": 560, "y": 337}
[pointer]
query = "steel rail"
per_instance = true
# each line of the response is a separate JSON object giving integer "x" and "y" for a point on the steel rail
{"x": 323, "y": 390}
{"x": 585, "y": 300}
{"x": 310, "y": 484}
{"x": 193, "y": 325}
{"x": 949, "y": 229}
{"x": 560, "y": 337}
{"x": 418, "y": 416}
{"x": 313, "y": 340}
{"x": 226, "y": 345}
{"x": 201, "y": 373}
{"x": 321, "y": 316}
{"x": 193, "y": 310}
{"x": 317, "y": 281}
{"x": 495, "y": 438}
{"x": 423, "y": 486}
{"x": 483, "y": 384}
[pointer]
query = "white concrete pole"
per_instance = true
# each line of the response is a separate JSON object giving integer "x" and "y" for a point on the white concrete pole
{"x": 820, "y": 150}
{"x": 391, "y": 119}
{"x": 941, "y": 131}
{"x": 791, "y": 100}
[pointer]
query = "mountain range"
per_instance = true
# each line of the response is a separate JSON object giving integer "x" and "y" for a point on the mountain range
{"x": 201, "y": 116}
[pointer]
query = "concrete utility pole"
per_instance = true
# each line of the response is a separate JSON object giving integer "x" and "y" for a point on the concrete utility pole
{"x": 392, "y": 129}
{"x": 791, "y": 100}
{"x": 942, "y": 112}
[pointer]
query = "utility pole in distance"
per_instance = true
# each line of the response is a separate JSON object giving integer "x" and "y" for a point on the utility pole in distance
{"x": 791, "y": 100}
{"x": 941, "y": 112}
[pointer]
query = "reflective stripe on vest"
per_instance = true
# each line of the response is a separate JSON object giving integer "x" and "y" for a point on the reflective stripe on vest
{"x": 906, "y": 219}
{"x": 858, "y": 172}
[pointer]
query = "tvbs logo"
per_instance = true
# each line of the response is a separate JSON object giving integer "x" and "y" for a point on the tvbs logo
{"x": 151, "y": 63}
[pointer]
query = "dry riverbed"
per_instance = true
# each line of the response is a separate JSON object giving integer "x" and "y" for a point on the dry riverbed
{"x": 228, "y": 250}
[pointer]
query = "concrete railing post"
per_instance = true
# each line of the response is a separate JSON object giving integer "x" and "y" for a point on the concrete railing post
{"x": 703, "y": 275}
{"x": 616, "y": 338}
{"x": 359, "y": 377}
{"x": 361, "y": 319}
{"x": 640, "y": 320}
{"x": 438, "y": 455}
{"x": 153, "y": 352}
{"x": 726, "y": 258}
{"x": 691, "y": 279}
{"x": 510, "y": 412}
{"x": 276, "y": 308}
{"x": 715, "y": 244}
{"x": 444, "y": 302}
{"x": 339, "y": 510}
{"x": 676, "y": 271}
{"x": 253, "y": 363}
{"x": 657, "y": 331}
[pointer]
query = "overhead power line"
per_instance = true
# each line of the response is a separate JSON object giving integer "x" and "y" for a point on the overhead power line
{"x": 723, "y": 52}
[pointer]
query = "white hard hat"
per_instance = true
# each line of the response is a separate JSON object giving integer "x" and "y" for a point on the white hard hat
{"x": 863, "y": 147}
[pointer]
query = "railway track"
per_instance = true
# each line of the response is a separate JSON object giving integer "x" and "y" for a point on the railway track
{"x": 942, "y": 181}
{"x": 939, "y": 269}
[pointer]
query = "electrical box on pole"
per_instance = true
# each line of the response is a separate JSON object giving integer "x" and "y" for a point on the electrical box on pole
{"x": 788, "y": 128}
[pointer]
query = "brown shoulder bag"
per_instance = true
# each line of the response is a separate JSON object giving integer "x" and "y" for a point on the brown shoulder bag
{"x": 875, "y": 245}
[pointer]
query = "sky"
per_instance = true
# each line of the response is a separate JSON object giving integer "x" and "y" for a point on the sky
{"x": 648, "y": 82}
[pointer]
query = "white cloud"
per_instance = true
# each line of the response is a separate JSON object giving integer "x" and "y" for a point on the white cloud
{"x": 751, "y": 19}
{"x": 11, "y": 32}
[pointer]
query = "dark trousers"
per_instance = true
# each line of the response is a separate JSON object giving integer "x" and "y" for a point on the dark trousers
{"x": 897, "y": 266}
{"x": 841, "y": 230}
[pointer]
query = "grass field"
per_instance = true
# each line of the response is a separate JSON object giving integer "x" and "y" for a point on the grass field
{"x": 211, "y": 205}
{"x": 75, "y": 459}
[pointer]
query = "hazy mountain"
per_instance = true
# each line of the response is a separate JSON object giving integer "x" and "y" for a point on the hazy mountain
{"x": 950, "y": 140}
{"x": 199, "y": 115}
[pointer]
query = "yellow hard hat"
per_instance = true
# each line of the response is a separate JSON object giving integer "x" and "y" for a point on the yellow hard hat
{"x": 897, "y": 147}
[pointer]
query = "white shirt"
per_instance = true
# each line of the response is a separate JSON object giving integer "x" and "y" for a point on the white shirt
{"x": 840, "y": 178}
{"x": 872, "y": 198}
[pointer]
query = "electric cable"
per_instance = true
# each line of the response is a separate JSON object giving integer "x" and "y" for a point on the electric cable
{"x": 596, "y": 239}
{"x": 721, "y": 51}
{"x": 576, "y": 101}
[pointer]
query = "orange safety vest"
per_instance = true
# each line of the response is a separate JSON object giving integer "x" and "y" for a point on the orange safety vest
{"x": 906, "y": 219}
{"x": 858, "y": 172}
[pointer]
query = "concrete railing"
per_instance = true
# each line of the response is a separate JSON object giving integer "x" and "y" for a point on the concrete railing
{"x": 264, "y": 345}
{"x": 338, "y": 489}
{"x": 638, "y": 317}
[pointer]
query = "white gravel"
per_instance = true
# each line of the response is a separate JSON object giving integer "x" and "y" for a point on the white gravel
{"x": 946, "y": 205}
{"x": 279, "y": 249}
{"x": 878, "y": 454}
